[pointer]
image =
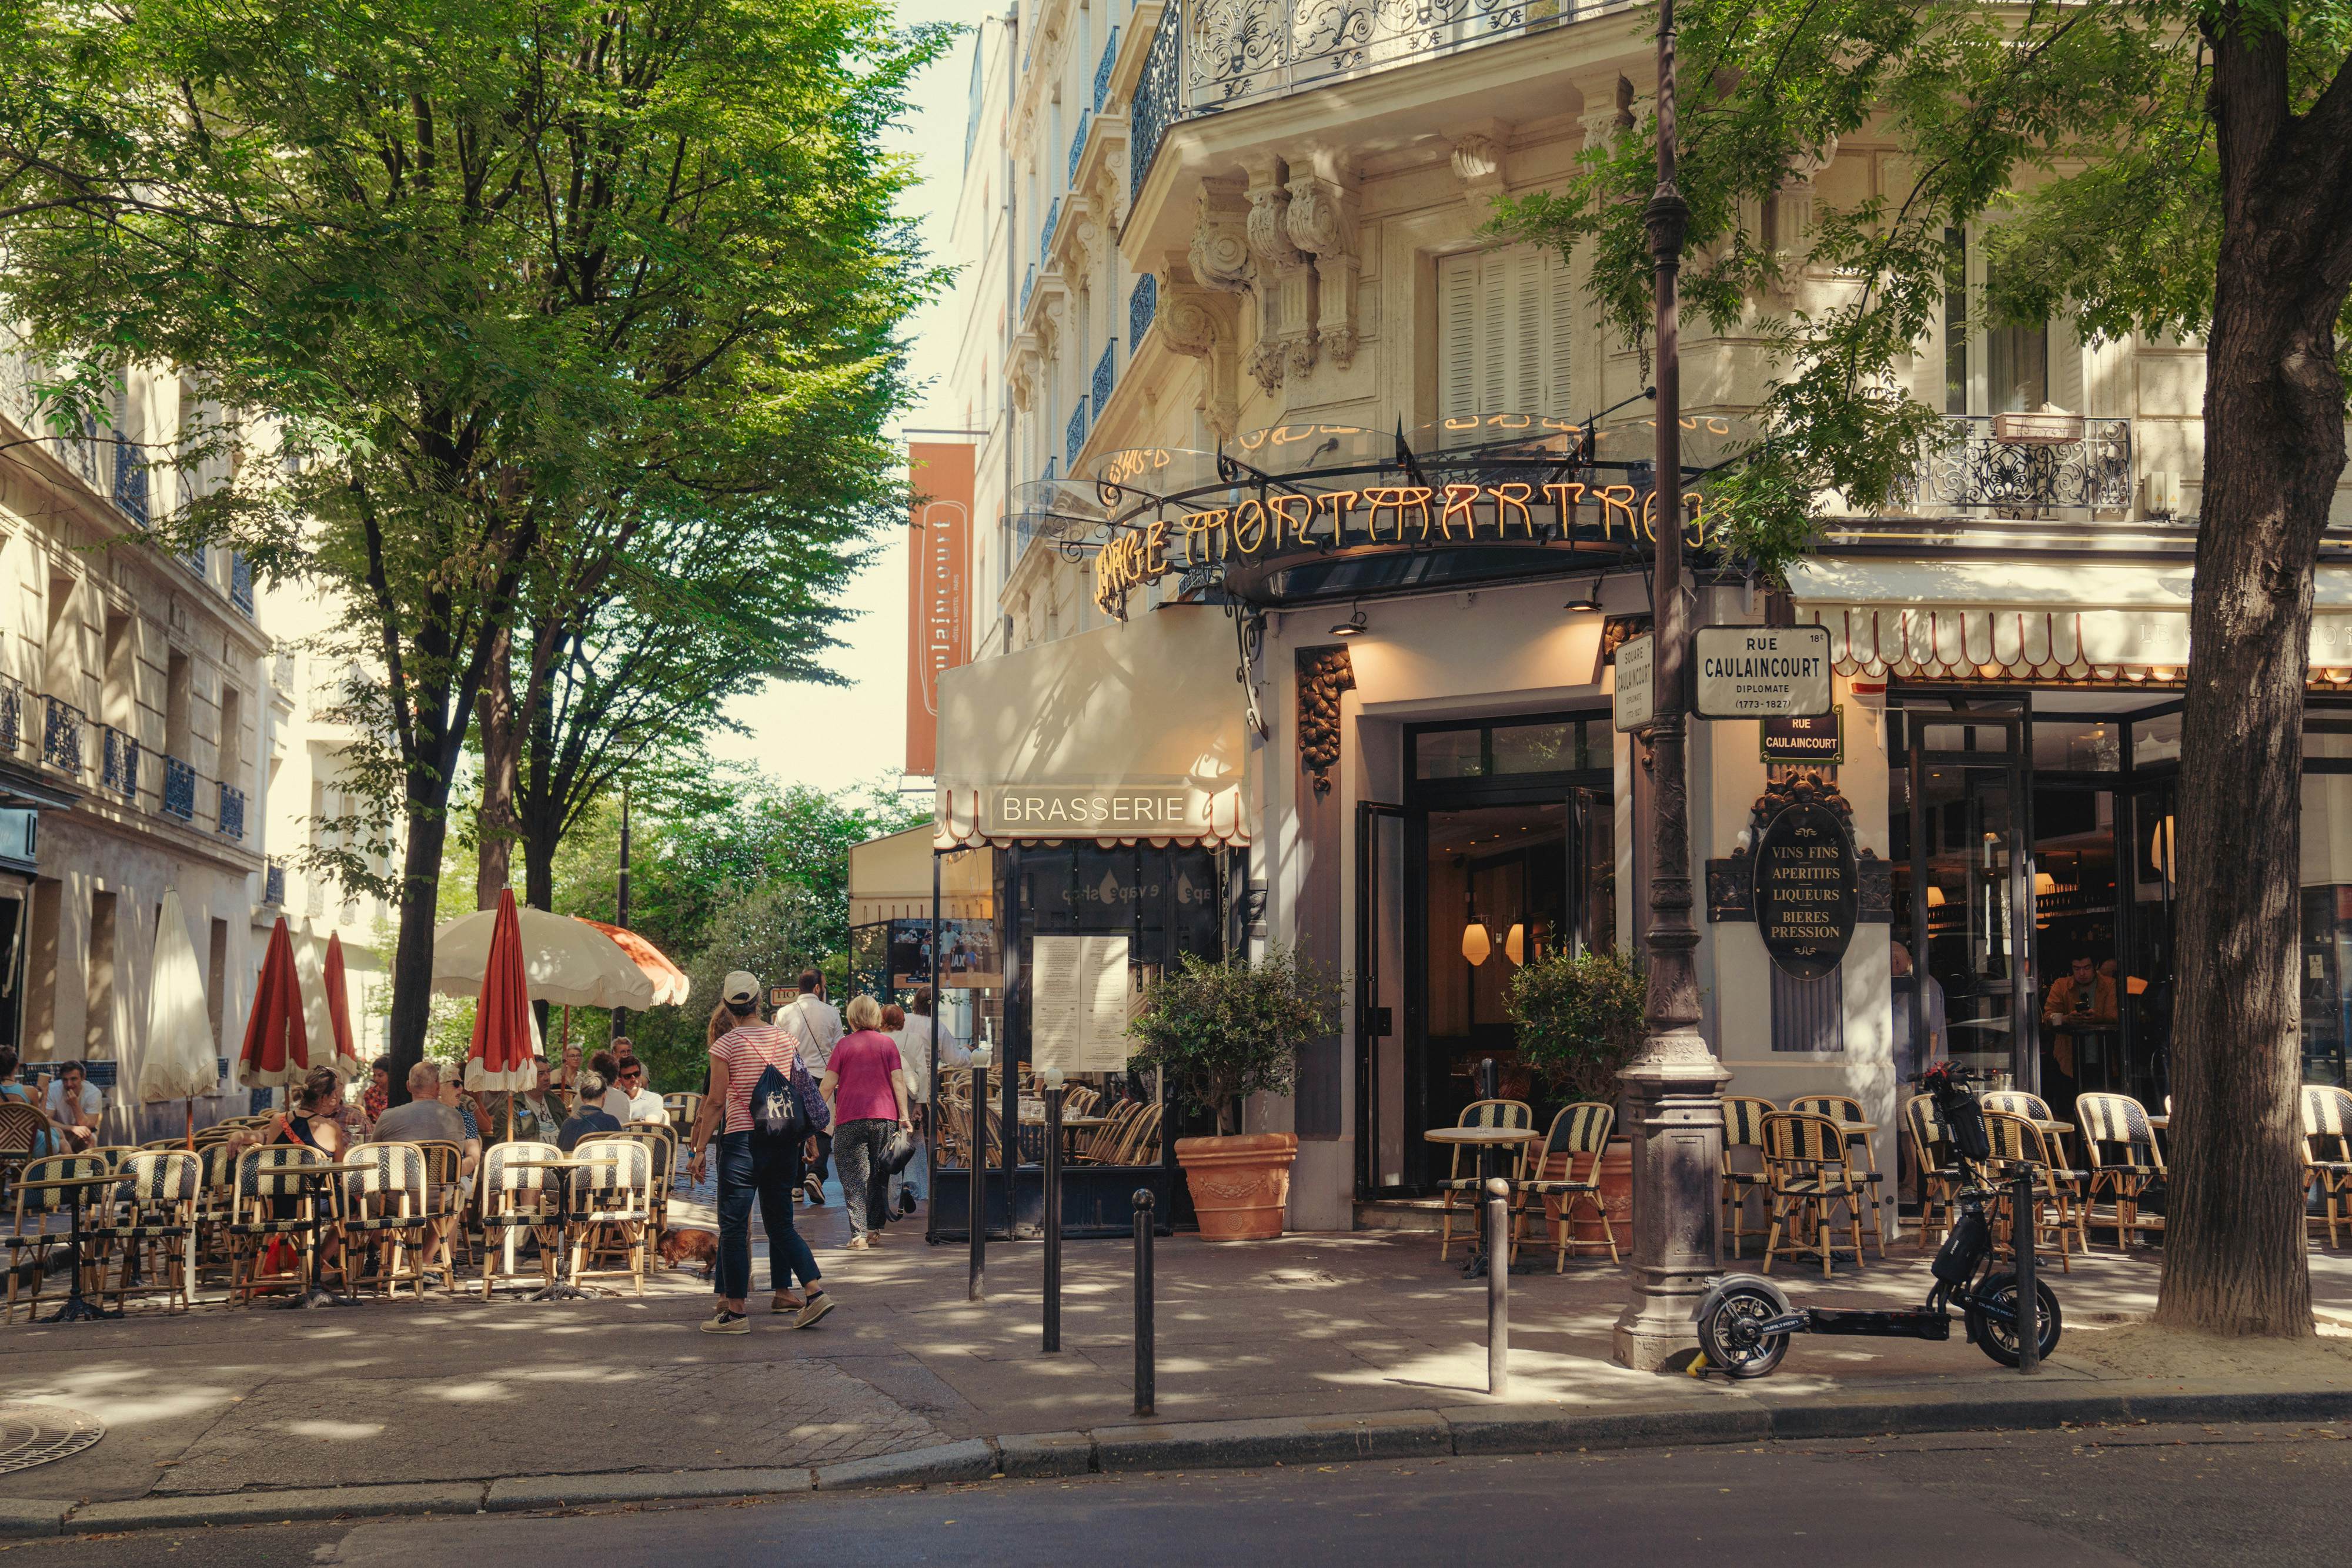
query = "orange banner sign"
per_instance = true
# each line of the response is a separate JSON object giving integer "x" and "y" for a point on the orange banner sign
{"x": 938, "y": 613}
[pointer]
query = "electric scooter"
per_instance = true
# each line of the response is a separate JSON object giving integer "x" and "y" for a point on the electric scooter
{"x": 1745, "y": 1322}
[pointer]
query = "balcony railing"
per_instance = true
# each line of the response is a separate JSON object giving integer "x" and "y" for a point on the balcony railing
{"x": 118, "y": 768}
{"x": 61, "y": 737}
{"x": 1104, "y": 373}
{"x": 1965, "y": 465}
{"x": 1078, "y": 143}
{"x": 12, "y": 718}
{"x": 1103, "y": 71}
{"x": 179, "y": 789}
{"x": 1075, "y": 437}
{"x": 129, "y": 479}
{"x": 1241, "y": 51}
{"x": 232, "y": 810}
{"x": 273, "y": 883}
{"x": 1046, "y": 233}
{"x": 1143, "y": 308}
{"x": 1028, "y": 286}
{"x": 240, "y": 581}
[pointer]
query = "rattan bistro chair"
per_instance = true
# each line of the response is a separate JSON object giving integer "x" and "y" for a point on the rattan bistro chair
{"x": 389, "y": 1206}
{"x": 1811, "y": 1174}
{"x": 516, "y": 1197}
{"x": 612, "y": 1206}
{"x": 1743, "y": 1129}
{"x": 1940, "y": 1169}
{"x": 2019, "y": 1146}
{"x": 2124, "y": 1159}
{"x": 47, "y": 1190}
{"x": 158, "y": 1189}
{"x": 2328, "y": 1149}
{"x": 1477, "y": 1113}
{"x": 1581, "y": 1129}
{"x": 275, "y": 1200}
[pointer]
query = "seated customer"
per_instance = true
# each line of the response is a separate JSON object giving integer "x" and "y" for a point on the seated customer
{"x": 643, "y": 1105}
{"x": 423, "y": 1119}
{"x": 75, "y": 1106}
{"x": 590, "y": 1121}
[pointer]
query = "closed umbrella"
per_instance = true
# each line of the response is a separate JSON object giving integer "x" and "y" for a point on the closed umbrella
{"x": 276, "y": 1048}
{"x": 670, "y": 984}
{"x": 504, "y": 1054}
{"x": 176, "y": 1059}
{"x": 565, "y": 961}
{"x": 313, "y": 976}
{"x": 339, "y": 1010}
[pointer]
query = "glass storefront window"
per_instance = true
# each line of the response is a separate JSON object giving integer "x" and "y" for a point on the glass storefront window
{"x": 1449, "y": 754}
{"x": 2156, "y": 740}
{"x": 1538, "y": 748}
{"x": 2077, "y": 746}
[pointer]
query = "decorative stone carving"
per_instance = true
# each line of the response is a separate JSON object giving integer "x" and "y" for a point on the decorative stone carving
{"x": 1221, "y": 253}
{"x": 1607, "y": 114}
{"x": 1323, "y": 224}
{"x": 1284, "y": 280}
{"x": 1478, "y": 159}
{"x": 1323, "y": 675}
{"x": 1201, "y": 322}
{"x": 1021, "y": 376}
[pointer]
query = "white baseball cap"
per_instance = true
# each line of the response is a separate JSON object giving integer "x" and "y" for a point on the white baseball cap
{"x": 741, "y": 986}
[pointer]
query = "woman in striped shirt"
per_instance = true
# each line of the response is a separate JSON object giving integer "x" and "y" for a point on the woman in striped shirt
{"x": 752, "y": 1164}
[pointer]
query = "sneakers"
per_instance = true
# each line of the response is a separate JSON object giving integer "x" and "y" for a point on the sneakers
{"x": 814, "y": 1311}
{"x": 813, "y": 1185}
{"x": 906, "y": 1200}
{"x": 727, "y": 1323}
{"x": 859, "y": 1244}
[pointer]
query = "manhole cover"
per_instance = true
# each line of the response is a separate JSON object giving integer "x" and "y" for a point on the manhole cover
{"x": 35, "y": 1434}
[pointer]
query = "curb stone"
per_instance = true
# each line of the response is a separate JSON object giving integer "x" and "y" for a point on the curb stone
{"x": 33, "y": 1515}
{"x": 1034, "y": 1456}
{"x": 196, "y": 1510}
{"x": 519, "y": 1492}
{"x": 1536, "y": 1428}
{"x": 1315, "y": 1439}
{"x": 973, "y": 1459}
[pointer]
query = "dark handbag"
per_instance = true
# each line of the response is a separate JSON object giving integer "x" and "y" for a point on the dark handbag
{"x": 899, "y": 1152}
{"x": 818, "y": 1114}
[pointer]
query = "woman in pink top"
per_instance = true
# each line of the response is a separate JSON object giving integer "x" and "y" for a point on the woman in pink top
{"x": 865, "y": 1084}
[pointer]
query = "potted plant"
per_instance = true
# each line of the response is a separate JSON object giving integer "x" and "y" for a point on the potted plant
{"x": 1579, "y": 1019}
{"x": 1217, "y": 1031}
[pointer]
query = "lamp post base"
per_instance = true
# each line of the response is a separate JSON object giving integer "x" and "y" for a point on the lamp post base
{"x": 1675, "y": 1120}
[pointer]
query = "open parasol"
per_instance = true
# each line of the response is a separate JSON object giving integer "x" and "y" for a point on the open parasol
{"x": 339, "y": 1010}
{"x": 670, "y": 984}
{"x": 276, "y": 1048}
{"x": 565, "y": 961}
{"x": 176, "y": 1059}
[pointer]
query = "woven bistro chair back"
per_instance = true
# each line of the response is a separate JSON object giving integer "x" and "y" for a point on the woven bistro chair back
{"x": 2020, "y": 1145}
{"x": 1836, "y": 1107}
{"x": 516, "y": 1195}
{"x": 160, "y": 1177}
{"x": 392, "y": 1176}
{"x": 2328, "y": 1123}
{"x": 271, "y": 1171}
{"x": 388, "y": 1203}
{"x": 1743, "y": 1128}
{"x": 1803, "y": 1141}
{"x": 615, "y": 1180}
{"x": 1582, "y": 1128}
{"x": 2015, "y": 1102}
{"x": 2117, "y": 1135}
{"x": 1743, "y": 1121}
{"x": 38, "y": 1205}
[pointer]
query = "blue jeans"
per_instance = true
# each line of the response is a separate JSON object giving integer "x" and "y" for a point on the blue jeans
{"x": 763, "y": 1169}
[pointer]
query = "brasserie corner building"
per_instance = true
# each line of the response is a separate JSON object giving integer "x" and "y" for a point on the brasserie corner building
{"x": 1360, "y": 701}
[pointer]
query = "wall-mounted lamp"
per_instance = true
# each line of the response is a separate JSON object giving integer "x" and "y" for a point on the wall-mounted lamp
{"x": 1475, "y": 942}
{"x": 1585, "y": 598}
{"x": 1935, "y": 896}
{"x": 1353, "y": 626}
{"x": 1515, "y": 945}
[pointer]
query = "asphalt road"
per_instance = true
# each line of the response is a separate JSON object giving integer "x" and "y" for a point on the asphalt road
{"x": 2160, "y": 1496}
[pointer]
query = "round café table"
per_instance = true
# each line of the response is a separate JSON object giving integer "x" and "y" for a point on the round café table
{"x": 1487, "y": 1141}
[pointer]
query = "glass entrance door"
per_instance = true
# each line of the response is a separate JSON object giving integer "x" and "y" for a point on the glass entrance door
{"x": 1380, "y": 882}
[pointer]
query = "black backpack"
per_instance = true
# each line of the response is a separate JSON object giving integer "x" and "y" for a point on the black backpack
{"x": 776, "y": 1110}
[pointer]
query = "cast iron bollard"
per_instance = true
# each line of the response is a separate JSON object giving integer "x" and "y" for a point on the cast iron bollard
{"x": 2022, "y": 1210}
{"x": 976, "y": 1156}
{"x": 1146, "y": 1378}
{"x": 1498, "y": 1288}
{"x": 1054, "y": 1094}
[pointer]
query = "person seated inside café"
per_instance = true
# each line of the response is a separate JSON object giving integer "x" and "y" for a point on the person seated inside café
{"x": 75, "y": 1108}
{"x": 2079, "y": 999}
{"x": 590, "y": 1119}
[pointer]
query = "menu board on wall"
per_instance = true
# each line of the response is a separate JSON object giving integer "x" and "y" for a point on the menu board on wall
{"x": 1078, "y": 1000}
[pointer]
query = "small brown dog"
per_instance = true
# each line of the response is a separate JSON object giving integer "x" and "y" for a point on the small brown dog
{"x": 679, "y": 1247}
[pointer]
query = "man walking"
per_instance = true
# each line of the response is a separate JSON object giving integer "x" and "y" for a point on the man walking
{"x": 812, "y": 1020}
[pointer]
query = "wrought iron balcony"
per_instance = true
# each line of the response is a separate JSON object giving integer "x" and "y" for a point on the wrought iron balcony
{"x": 118, "y": 768}
{"x": 1028, "y": 287}
{"x": 232, "y": 810}
{"x": 1103, "y": 71}
{"x": 1966, "y": 465}
{"x": 129, "y": 479}
{"x": 273, "y": 883}
{"x": 240, "y": 581}
{"x": 179, "y": 789}
{"x": 1142, "y": 308}
{"x": 1078, "y": 143}
{"x": 1213, "y": 55}
{"x": 61, "y": 737}
{"x": 1046, "y": 233}
{"x": 1075, "y": 437}
{"x": 1105, "y": 372}
{"x": 12, "y": 718}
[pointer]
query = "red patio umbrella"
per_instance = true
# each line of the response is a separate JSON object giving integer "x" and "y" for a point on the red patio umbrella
{"x": 505, "y": 1050}
{"x": 276, "y": 1048}
{"x": 339, "y": 1008}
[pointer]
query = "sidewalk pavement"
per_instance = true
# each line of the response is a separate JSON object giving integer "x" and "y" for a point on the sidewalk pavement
{"x": 1312, "y": 1347}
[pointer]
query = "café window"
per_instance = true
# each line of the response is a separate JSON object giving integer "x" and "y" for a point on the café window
{"x": 1506, "y": 323}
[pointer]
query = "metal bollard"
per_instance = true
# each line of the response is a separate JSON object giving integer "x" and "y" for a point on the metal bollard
{"x": 976, "y": 1156}
{"x": 2022, "y": 1210}
{"x": 1146, "y": 1376}
{"x": 1498, "y": 1288}
{"x": 1053, "y": 1211}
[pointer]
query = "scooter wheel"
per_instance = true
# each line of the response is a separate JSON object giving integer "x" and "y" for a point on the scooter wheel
{"x": 1999, "y": 1335}
{"x": 1727, "y": 1334}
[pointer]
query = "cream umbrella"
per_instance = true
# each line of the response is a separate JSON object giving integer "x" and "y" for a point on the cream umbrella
{"x": 177, "y": 1060}
{"x": 311, "y": 976}
{"x": 565, "y": 961}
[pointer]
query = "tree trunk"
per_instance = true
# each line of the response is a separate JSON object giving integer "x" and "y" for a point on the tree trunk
{"x": 501, "y": 743}
{"x": 2235, "y": 1252}
{"x": 412, "y": 961}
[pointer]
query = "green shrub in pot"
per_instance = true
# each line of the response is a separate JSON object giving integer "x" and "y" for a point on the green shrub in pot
{"x": 1220, "y": 1029}
{"x": 1579, "y": 1017}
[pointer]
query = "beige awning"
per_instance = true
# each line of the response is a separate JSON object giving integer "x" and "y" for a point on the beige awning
{"x": 1131, "y": 734}
{"x": 2072, "y": 620}
{"x": 890, "y": 879}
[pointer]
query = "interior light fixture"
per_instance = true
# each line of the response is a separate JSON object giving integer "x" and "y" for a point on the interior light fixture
{"x": 1515, "y": 945}
{"x": 1475, "y": 942}
{"x": 1585, "y": 598}
{"x": 2044, "y": 884}
{"x": 1935, "y": 896}
{"x": 1353, "y": 626}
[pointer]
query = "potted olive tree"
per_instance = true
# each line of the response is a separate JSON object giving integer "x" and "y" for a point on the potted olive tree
{"x": 1217, "y": 1031}
{"x": 1579, "y": 1019}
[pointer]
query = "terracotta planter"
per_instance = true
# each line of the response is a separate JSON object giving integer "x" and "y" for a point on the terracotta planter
{"x": 1616, "y": 1196}
{"x": 1241, "y": 1186}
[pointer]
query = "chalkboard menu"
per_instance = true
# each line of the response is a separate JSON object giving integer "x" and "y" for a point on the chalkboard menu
{"x": 1808, "y": 892}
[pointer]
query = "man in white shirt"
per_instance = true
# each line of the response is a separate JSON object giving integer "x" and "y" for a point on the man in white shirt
{"x": 641, "y": 1102}
{"x": 75, "y": 1105}
{"x": 809, "y": 1018}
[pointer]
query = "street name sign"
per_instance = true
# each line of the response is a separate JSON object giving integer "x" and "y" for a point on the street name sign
{"x": 1760, "y": 671}
{"x": 1634, "y": 703}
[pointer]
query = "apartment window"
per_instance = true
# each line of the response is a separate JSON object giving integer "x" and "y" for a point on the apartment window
{"x": 2014, "y": 369}
{"x": 232, "y": 733}
{"x": 177, "y": 698}
{"x": 98, "y": 1026}
{"x": 1506, "y": 326}
{"x": 61, "y": 647}
{"x": 217, "y": 979}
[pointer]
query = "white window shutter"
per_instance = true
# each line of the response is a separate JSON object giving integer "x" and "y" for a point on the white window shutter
{"x": 1528, "y": 341}
{"x": 1559, "y": 290}
{"x": 1494, "y": 331}
{"x": 1457, "y": 336}
{"x": 2067, "y": 390}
